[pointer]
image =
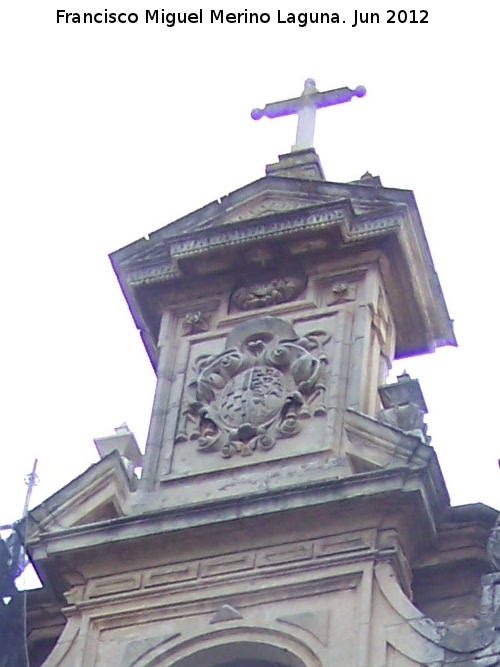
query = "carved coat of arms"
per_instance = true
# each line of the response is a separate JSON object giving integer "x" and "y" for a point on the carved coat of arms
{"x": 257, "y": 390}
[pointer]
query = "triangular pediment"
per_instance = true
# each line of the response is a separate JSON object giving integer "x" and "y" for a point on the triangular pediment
{"x": 267, "y": 203}
{"x": 263, "y": 198}
{"x": 286, "y": 211}
{"x": 248, "y": 214}
{"x": 293, "y": 198}
{"x": 99, "y": 494}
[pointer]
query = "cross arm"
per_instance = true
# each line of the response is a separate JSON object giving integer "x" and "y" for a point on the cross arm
{"x": 277, "y": 109}
{"x": 336, "y": 96}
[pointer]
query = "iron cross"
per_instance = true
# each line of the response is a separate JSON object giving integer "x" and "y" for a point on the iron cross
{"x": 305, "y": 107}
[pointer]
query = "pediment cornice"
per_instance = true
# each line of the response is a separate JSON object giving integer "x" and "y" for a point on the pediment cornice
{"x": 100, "y": 493}
{"x": 157, "y": 260}
{"x": 277, "y": 212}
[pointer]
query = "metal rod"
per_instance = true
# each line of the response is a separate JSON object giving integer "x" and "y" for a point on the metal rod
{"x": 31, "y": 480}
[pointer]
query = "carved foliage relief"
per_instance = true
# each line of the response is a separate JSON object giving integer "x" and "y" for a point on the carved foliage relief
{"x": 268, "y": 293}
{"x": 257, "y": 390}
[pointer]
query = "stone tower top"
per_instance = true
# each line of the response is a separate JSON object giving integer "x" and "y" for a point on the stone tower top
{"x": 272, "y": 316}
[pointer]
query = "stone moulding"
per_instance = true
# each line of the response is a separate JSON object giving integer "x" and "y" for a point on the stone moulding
{"x": 65, "y": 644}
{"x": 137, "y": 651}
{"x": 162, "y": 265}
{"x": 149, "y": 275}
{"x": 257, "y": 231}
{"x": 216, "y": 646}
{"x": 325, "y": 216}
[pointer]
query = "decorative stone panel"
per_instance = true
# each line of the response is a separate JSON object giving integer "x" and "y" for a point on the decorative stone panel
{"x": 257, "y": 389}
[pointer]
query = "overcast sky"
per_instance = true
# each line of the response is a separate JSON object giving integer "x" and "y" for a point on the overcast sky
{"x": 112, "y": 131}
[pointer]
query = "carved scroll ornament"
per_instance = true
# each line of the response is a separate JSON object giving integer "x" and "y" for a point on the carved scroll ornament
{"x": 257, "y": 390}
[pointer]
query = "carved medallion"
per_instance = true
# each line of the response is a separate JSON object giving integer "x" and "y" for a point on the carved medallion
{"x": 257, "y": 390}
{"x": 268, "y": 293}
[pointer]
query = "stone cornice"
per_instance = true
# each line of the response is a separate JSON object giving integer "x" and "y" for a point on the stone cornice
{"x": 160, "y": 262}
{"x": 275, "y": 212}
{"x": 311, "y": 219}
{"x": 320, "y": 493}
